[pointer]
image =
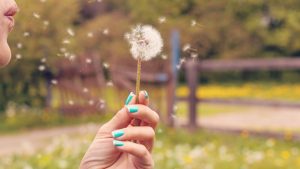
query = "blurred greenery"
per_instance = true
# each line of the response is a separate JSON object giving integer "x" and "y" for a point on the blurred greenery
{"x": 224, "y": 29}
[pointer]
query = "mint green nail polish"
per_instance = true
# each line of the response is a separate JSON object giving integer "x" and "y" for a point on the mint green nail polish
{"x": 146, "y": 94}
{"x": 118, "y": 143}
{"x": 117, "y": 133}
{"x": 129, "y": 98}
{"x": 132, "y": 108}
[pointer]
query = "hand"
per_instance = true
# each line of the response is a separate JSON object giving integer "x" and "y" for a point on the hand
{"x": 113, "y": 146}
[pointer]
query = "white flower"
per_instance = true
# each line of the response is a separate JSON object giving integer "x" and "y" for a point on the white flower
{"x": 145, "y": 41}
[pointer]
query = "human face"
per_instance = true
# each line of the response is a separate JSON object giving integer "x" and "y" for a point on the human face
{"x": 8, "y": 8}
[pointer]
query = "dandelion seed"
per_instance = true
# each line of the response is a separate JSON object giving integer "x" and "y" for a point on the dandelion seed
{"x": 46, "y": 23}
{"x": 66, "y": 41}
{"x": 105, "y": 31}
{"x": 54, "y": 82}
{"x": 110, "y": 84}
{"x": 91, "y": 102}
{"x": 194, "y": 55}
{"x": 106, "y": 65}
{"x": 18, "y": 56}
{"x": 90, "y": 34}
{"x": 42, "y": 68}
{"x": 85, "y": 90}
{"x": 19, "y": 45}
{"x": 36, "y": 15}
{"x": 164, "y": 57}
{"x": 88, "y": 61}
{"x": 72, "y": 57}
{"x": 26, "y": 34}
{"x": 70, "y": 32}
{"x": 43, "y": 60}
{"x": 162, "y": 19}
{"x": 43, "y": 1}
{"x": 186, "y": 47}
{"x": 193, "y": 23}
{"x": 71, "y": 102}
{"x": 63, "y": 49}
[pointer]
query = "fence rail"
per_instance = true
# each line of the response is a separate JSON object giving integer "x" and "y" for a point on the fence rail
{"x": 193, "y": 70}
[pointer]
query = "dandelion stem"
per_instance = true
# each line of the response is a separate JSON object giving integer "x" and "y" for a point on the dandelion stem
{"x": 138, "y": 79}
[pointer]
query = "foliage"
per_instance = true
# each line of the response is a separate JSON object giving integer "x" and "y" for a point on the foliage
{"x": 215, "y": 29}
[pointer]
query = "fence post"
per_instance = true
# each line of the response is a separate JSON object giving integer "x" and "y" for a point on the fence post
{"x": 171, "y": 97}
{"x": 192, "y": 80}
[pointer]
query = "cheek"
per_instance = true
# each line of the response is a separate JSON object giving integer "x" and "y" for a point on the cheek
{"x": 5, "y": 53}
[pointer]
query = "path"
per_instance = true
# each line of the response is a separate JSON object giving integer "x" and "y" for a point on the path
{"x": 262, "y": 119}
{"x": 35, "y": 139}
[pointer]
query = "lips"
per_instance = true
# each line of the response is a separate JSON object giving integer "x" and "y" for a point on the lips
{"x": 9, "y": 14}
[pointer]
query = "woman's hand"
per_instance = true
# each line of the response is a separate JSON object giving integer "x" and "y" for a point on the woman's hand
{"x": 119, "y": 144}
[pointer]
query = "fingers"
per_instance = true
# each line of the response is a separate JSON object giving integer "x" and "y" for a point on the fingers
{"x": 143, "y": 98}
{"x": 122, "y": 119}
{"x": 134, "y": 133}
{"x": 143, "y": 113}
{"x": 139, "y": 151}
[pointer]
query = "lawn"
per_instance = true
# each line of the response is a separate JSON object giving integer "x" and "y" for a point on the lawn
{"x": 174, "y": 149}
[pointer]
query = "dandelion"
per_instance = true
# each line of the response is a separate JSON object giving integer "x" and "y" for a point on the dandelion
{"x": 146, "y": 43}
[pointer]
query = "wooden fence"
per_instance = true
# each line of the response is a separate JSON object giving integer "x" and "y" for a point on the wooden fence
{"x": 193, "y": 70}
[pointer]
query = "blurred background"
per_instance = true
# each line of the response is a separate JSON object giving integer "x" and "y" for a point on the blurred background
{"x": 227, "y": 84}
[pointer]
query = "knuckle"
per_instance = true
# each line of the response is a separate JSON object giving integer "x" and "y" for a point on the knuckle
{"x": 144, "y": 151}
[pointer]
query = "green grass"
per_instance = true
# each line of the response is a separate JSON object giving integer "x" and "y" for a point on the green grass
{"x": 175, "y": 149}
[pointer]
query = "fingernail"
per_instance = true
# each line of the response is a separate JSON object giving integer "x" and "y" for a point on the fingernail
{"x": 132, "y": 108}
{"x": 118, "y": 143}
{"x": 129, "y": 98}
{"x": 117, "y": 133}
{"x": 146, "y": 94}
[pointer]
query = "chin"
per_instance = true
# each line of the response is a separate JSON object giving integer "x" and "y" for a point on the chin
{"x": 5, "y": 54}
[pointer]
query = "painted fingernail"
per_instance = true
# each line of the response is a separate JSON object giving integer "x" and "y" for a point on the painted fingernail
{"x": 146, "y": 94}
{"x": 129, "y": 98}
{"x": 132, "y": 108}
{"x": 117, "y": 133}
{"x": 118, "y": 143}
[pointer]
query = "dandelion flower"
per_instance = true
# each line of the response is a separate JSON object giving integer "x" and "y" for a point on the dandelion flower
{"x": 145, "y": 42}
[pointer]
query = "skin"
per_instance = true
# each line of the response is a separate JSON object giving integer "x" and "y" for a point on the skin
{"x": 134, "y": 154}
{"x": 6, "y": 26}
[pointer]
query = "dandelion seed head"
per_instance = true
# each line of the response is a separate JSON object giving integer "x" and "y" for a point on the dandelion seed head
{"x": 145, "y": 41}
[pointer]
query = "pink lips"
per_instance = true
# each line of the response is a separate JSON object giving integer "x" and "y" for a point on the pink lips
{"x": 9, "y": 14}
